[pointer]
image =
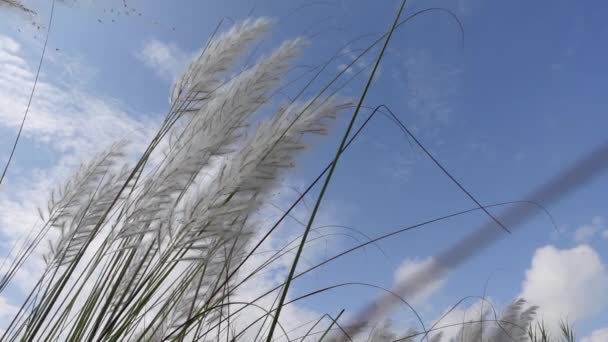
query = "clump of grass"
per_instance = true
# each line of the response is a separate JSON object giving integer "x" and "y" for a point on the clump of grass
{"x": 145, "y": 251}
{"x": 152, "y": 250}
{"x": 516, "y": 324}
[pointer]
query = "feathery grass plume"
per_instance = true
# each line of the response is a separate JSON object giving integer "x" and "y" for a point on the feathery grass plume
{"x": 76, "y": 207}
{"x": 511, "y": 326}
{"x": 201, "y": 77}
{"x": 475, "y": 330}
{"x": 521, "y": 318}
{"x": 65, "y": 205}
{"x": 514, "y": 325}
{"x": 69, "y": 245}
{"x": 240, "y": 185}
{"x": 567, "y": 331}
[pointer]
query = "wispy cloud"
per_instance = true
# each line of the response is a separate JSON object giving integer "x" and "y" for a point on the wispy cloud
{"x": 61, "y": 115}
{"x": 431, "y": 87}
{"x": 587, "y": 232}
{"x": 599, "y": 335}
{"x": 401, "y": 167}
{"x": 166, "y": 59}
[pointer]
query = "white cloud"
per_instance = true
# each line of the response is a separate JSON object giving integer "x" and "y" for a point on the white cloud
{"x": 566, "y": 283}
{"x": 409, "y": 267}
{"x": 9, "y": 45}
{"x": 62, "y": 116}
{"x": 587, "y": 232}
{"x": 166, "y": 59}
{"x": 600, "y": 335}
{"x": 6, "y": 309}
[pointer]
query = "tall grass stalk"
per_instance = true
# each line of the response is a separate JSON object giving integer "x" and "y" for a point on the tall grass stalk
{"x": 330, "y": 173}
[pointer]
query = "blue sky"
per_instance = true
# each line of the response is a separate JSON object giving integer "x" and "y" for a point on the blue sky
{"x": 522, "y": 98}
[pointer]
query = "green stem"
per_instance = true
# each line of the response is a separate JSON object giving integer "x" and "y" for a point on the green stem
{"x": 333, "y": 321}
{"x": 331, "y": 171}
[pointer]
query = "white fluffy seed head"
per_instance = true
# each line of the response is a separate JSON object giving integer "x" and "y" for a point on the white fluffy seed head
{"x": 76, "y": 208}
{"x": 202, "y": 76}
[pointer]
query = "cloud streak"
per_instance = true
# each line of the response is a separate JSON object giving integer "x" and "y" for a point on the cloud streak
{"x": 166, "y": 59}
